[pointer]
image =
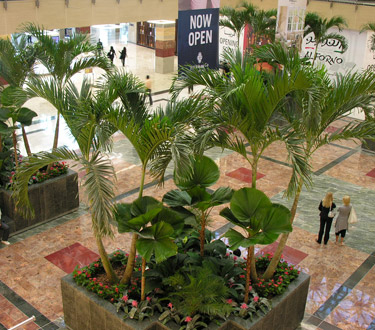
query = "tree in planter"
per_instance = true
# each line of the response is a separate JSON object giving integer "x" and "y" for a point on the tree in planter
{"x": 62, "y": 59}
{"x": 155, "y": 226}
{"x": 192, "y": 193}
{"x": 310, "y": 112}
{"x": 242, "y": 108}
{"x": 262, "y": 221}
{"x": 320, "y": 26}
{"x": 158, "y": 138}
{"x": 16, "y": 66}
{"x": 85, "y": 116}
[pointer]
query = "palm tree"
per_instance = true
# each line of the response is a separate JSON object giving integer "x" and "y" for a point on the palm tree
{"x": 62, "y": 59}
{"x": 241, "y": 111}
{"x": 16, "y": 66}
{"x": 85, "y": 115}
{"x": 158, "y": 138}
{"x": 236, "y": 18}
{"x": 320, "y": 26}
{"x": 309, "y": 112}
{"x": 370, "y": 27}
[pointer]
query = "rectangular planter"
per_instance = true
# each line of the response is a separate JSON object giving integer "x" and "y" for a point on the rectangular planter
{"x": 85, "y": 310}
{"x": 50, "y": 199}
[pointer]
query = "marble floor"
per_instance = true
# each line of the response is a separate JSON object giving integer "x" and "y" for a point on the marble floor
{"x": 342, "y": 288}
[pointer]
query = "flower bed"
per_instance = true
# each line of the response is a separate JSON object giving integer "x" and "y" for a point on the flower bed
{"x": 171, "y": 298}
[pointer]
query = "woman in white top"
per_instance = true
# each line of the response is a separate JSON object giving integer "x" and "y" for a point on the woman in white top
{"x": 341, "y": 225}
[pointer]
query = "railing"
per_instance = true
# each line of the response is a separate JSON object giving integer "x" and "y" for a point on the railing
{"x": 351, "y": 2}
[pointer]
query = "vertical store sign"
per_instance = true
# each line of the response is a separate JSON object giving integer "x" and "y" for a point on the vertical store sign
{"x": 198, "y": 33}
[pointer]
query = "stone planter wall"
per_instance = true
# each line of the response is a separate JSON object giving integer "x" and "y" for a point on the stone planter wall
{"x": 50, "y": 199}
{"x": 85, "y": 310}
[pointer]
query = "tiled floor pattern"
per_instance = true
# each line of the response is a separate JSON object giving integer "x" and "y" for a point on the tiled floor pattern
{"x": 244, "y": 174}
{"x": 342, "y": 292}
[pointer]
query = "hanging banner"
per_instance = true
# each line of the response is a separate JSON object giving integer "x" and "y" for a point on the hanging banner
{"x": 198, "y": 33}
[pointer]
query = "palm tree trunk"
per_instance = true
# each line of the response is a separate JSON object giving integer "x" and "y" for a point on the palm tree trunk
{"x": 56, "y": 137}
{"x": 133, "y": 248}
{"x": 112, "y": 277}
{"x": 202, "y": 233}
{"x": 14, "y": 137}
{"x": 284, "y": 237}
{"x": 143, "y": 281}
{"x": 248, "y": 272}
{"x": 26, "y": 141}
{"x": 131, "y": 261}
{"x": 254, "y": 169}
{"x": 315, "y": 54}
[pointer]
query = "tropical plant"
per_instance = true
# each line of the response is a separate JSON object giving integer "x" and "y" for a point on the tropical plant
{"x": 310, "y": 112}
{"x": 320, "y": 26}
{"x": 155, "y": 226}
{"x": 192, "y": 193}
{"x": 370, "y": 27}
{"x": 158, "y": 138}
{"x": 262, "y": 220}
{"x": 16, "y": 66}
{"x": 242, "y": 109}
{"x": 62, "y": 59}
{"x": 85, "y": 115}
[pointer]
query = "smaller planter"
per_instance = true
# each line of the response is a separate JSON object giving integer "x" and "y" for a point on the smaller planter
{"x": 50, "y": 199}
{"x": 85, "y": 310}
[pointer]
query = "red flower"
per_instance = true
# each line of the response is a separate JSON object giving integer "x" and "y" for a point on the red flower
{"x": 100, "y": 292}
{"x": 188, "y": 319}
{"x": 256, "y": 298}
{"x": 244, "y": 306}
{"x": 234, "y": 258}
{"x": 116, "y": 289}
{"x": 134, "y": 303}
{"x": 96, "y": 265}
{"x": 112, "y": 300}
{"x": 229, "y": 301}
{"x": 79, "y": 272}
{"x": 286, "y": 273}
{"x": 106, "y": 286}
{"x": 148, "y": 298}
{"x": 242, "y": 276}
{"x": 170, "y": 305}
{"x": 125, "y": 298}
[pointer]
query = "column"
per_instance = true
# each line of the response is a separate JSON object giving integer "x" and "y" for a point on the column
{"x": 164, "y": 46}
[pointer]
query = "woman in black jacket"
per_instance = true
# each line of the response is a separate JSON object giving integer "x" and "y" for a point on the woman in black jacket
{"x": 326, "y": 208}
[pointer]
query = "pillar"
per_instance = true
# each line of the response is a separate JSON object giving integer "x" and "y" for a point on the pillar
{"x": 164, "y": 46}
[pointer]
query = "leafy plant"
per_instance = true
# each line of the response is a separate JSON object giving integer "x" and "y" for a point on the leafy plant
{"x": 203, "y": 173}
{"x": 261, "y": 219}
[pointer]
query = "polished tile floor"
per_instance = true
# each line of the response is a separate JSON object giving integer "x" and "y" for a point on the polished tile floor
{"x": 342, "y": 288}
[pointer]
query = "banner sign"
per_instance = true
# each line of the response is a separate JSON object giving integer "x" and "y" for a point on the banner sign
{"x": 198, "y": 38}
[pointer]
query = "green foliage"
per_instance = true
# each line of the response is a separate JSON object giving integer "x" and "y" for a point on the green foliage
{"x": 263, "y": 220}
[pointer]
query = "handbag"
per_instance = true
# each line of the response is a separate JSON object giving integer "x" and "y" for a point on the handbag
{"x": 352, "y": 216}
{"x": 331, "y": 213}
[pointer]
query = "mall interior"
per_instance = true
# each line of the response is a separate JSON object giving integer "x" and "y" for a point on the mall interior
{"x": 342, "y": 285}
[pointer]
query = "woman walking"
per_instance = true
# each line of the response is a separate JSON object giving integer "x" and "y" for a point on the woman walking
{"x": 326, "y": 207}
{"x": 341, "y": 224}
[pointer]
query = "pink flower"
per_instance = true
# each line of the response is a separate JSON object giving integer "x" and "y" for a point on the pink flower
{"x": 188, "y": 319}
{"x": 116, "y": 289}
{"x": 256, "y": 298}
{"x": 79, "y": 272}
{"x": 106, "y": 286}
{"x": 170, "y": 305}
{"x": 229, "y": 301}
{"x": 112, "y": 300}
{"x": 100, "y": 292}
{"x": 125, "y": 298}
{"x": 242, "y": 276}
{"x": 250, "y": 288}
{"x": 286, "y": 273}
{"x": 244, "y": 306}
{"x": 134, "y": 303}
{"x": 94, "y": 279}
{"x": 234, "y": 258}
{"x": 148, "y": 298}
{"x": 96, "y": 265}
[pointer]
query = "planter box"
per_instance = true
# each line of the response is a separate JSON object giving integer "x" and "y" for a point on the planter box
{"x": 50, "y": 199}
{"x": 85, "y": 310}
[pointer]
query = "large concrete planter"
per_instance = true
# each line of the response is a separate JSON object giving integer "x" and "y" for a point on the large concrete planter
{"x": 50, "y": 199}
{"x": 85, "y": 310}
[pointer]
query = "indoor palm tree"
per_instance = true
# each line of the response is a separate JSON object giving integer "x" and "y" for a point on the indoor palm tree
{"x": 84, "y": 113}
{"x": 242, "y": 108}
{"x": 320, "y": 26}
{"x": 16, "y": 66}
{"x": 158, "y": 138}
{"x": 62, "y": 59}
{"x": 309, "y": 113}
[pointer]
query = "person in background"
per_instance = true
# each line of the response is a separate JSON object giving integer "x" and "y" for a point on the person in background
{"x": 123, "y": 56}
{"x": 99, "y": 47}
{"x": 148, "y": 84}
{"x": 4, "y": 231}
{"x": 341, "y": 224}
{"x": 111, "y": 54}
{"x": 326, "y": 207}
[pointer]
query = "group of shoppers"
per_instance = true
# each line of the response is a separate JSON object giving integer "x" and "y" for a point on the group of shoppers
{"x": 327, "y": 213}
